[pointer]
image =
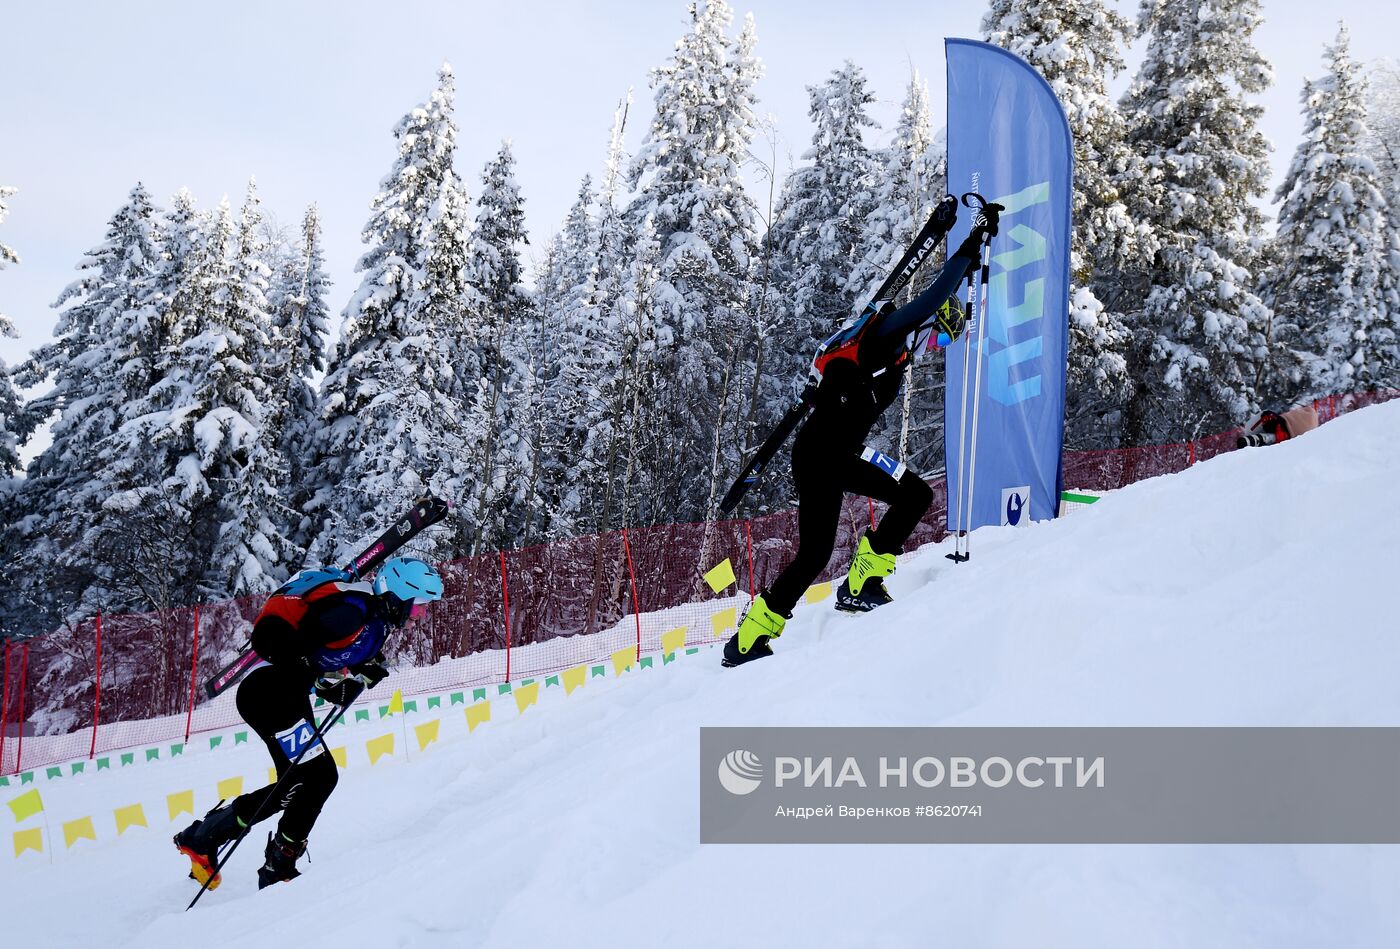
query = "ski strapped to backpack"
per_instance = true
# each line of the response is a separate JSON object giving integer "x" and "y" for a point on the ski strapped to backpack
{"x": 843, "y": 344}
{"x": 424, "y": 514}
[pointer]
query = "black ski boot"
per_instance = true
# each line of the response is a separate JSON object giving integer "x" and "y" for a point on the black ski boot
{"x": 281, "y": 860}
{"x": 872, "y": 595}
{"x": 201, "y": 842}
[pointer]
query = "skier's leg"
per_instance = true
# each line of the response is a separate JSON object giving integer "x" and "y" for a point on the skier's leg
{"x": 818, "y": 515}
{"x": 278, "y": 708}
{"x": 885, "y": 479}
{"x": 275, "y": 703}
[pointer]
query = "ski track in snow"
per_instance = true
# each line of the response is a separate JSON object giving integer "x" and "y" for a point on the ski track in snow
{"x": 1177, "y": 601}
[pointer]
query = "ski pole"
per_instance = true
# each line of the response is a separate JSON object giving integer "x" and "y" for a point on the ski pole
{"x": 959, "y": 533}
{"x": 967, "y": 454}
{"x": 223, "y": 858}
{"x": 977, "y": 388}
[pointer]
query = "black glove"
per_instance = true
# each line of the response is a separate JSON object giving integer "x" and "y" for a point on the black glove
{"x": 339, "y": 689}
{"x": 989, "y": 218}
{"x": 985, "y": 227}
{"x": 371, "y": 672}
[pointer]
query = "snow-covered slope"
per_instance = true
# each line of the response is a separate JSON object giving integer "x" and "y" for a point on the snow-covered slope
{"x": 1256, "y": 588}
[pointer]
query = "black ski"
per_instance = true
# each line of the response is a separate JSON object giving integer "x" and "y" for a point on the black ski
{"x": 754, "y": 469}
{"x": 424, "y": 514}
{"x": 940, "y": 222}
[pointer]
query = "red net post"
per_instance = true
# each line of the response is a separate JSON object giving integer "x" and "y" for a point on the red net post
{"x": 23, "y": 675}
{"x": 871, "y": 503}
{"x": 748, "y": 548}
{"x": 97, "y": 691}
{"x": 4, "y": 705}
{"x": 632, "y": 576}
{"x": 1190, "y": 453}
{"x": 194, "y": 674}
{"x": 505, "y": 610}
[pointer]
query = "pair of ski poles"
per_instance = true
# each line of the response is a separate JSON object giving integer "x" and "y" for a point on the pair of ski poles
{"x": 967, "y": 452}
{"x": 222, "y": 857}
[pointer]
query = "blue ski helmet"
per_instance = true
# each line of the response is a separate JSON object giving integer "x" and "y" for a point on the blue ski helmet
{"x": 410, "y": 579}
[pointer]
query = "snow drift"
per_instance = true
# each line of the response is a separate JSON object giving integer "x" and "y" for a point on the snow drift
{"x": 1250, "y": 590}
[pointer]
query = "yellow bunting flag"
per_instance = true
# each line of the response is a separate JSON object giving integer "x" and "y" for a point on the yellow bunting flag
{"x": 379, "y": 747}
{"x": 76, "y": 830}
{"x": 573, "y": 678}
{"x": 230, "y": 788}
{"x": 527, "y": 695}
{"x": 181, "y": 802}
{"x": 818, "y": 592}
{"x": 673, "y": 640}
{"x": 477, "y": 713}
{"x": 27, "y": 804}
{"x": 724, "y": 619}
{"x": 396, "y": 703}
{"x": 32, "y": 839}
{"x": 271, "y": 775}
{"x": 133, "y": 816}
{"x": 623, "y": 659}
{"x": 340, "y": 757}
{"x": 427, "y": 733}
{"x": 721, "y": 575}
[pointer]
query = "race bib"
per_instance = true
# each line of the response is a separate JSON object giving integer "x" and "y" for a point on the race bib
{"x": 300, "y": 738}
{"x": 890, "y": 466}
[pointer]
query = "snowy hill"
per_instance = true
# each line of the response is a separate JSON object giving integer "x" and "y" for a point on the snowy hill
{"x": 1252, "y": 589}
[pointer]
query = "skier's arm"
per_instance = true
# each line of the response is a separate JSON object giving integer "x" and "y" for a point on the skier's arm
{"x": 922, "y": 308}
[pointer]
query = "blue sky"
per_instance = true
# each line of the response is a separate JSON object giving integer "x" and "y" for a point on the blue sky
{"x": 97, "y": 96}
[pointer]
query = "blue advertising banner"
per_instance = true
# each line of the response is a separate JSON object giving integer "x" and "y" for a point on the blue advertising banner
{"x": 1009, "y": 141}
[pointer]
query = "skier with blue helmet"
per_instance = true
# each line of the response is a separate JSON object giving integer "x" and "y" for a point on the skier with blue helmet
{"x": 322, "y": 631}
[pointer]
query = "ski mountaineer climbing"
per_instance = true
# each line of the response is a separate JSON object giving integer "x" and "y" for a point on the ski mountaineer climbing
{"x": 857, "y": 375}
{"x": 322, "y": 631}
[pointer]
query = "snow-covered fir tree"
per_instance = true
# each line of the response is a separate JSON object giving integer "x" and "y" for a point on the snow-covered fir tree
{"x": 1333, "y": 285}
{"x": 539, "y": 419}
{"x": 9, "y": 398}
{"x": 1077, "y": 45}
{"x": 578, "y": 353}
{"x": 611, "y": 444}
{"x": 300, "y": 316}
{"x": 1383, "y": 122}
{"x": 10, "y": 437}
{"x": 599, "y": 355}
{"x": 239, "y": 439}
{"x": 1197, "y": 325}
{"x": 690, "y": 184}
{"x": 101, "y": 364}
{"x": 908, "y": 186}
{"x": 207, "y": 465}
{"x": 1383, "y": 115}
{"x": 826, "y": 211}
{"x": 499, "y": 357}
{"x": 390, "y": 417}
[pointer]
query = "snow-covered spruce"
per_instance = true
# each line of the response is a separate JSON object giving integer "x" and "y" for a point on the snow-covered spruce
{"x": 691, "y": 188}
{"x": 1197, "y": 326}
{"x": 1333, "y": 292}
{"x": 391, "y": 406}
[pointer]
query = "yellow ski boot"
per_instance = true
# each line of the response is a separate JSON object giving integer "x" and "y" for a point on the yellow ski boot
{"x": 760, "y": 624}
{"x": 864, "y": 589}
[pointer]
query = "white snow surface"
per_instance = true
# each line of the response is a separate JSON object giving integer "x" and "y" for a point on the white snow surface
{"x": 1253, "y": 589}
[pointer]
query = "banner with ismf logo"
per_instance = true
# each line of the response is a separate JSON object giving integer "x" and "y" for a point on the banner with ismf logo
{"x": 1009, "y": 141}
